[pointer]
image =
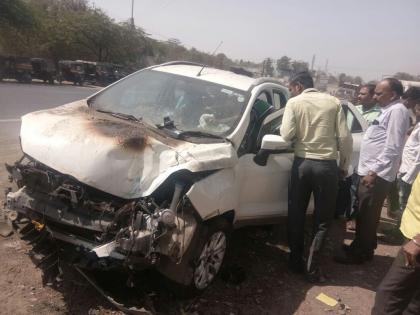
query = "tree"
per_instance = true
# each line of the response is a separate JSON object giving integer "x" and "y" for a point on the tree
{"x": 268, "y": 69}
{"x": 341, "y": 78}
{"x": 74, "y": 29}
{"x": 283, "y": 66}
{"x": 299, "y": 66}
{"x": 358, "y": 80}
{"x": 15, "y": 13}
{"x": 332, "y": 79}
{"x": 404, "y": 76}
{"x": 221, "y": 61}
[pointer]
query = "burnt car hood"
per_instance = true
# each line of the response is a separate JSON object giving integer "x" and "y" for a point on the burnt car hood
{"x": 123, "y": 158}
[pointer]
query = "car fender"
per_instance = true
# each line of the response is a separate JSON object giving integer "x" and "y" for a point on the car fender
{"x": 215, "y": 194}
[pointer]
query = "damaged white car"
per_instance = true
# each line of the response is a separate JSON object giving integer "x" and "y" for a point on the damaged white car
{"x": 156, "y": 169}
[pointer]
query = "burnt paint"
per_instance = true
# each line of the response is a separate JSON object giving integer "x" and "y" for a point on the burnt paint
{"x": 126, "y": 135}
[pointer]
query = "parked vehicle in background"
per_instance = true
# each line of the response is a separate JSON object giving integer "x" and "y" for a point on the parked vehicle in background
{"x": 17, "y": 68}
{"x": 347, "y": 91}
{"x": 155, "y": 171}
{"x": 119, "y": 71}
{"x": 105, "y": 73}
{"x": 89, "y": 68}
{"x": 345, "y": 94}
{"x": 101, "y": 73}
{"x": 73, "y": 71}
{"x": 407, "y": 84}
{"x": 43, "y": 69}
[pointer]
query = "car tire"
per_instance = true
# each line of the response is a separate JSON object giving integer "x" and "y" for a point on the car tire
{"x": 203, "y": 260}
{"x": 210, "y": 253}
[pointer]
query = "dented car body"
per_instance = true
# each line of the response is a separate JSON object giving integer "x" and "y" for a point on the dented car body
{"x": 154, "y": 170}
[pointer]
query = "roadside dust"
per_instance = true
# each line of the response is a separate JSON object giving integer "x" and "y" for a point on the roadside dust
{"x": 255, "y": 281}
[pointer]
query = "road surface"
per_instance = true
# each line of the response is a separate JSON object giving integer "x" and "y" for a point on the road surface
{"x": 17, "y": 100}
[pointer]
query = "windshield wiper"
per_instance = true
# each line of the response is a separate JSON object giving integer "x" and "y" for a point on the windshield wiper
{"x": 197, "y": 133}
{"x": 121, "y": 115}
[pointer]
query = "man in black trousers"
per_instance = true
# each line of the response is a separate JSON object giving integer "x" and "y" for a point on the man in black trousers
{"x": 316, "y": 124}
{"x": 380, "y": 155}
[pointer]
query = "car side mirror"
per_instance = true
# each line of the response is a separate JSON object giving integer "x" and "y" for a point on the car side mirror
{"x": 270, "y": 144}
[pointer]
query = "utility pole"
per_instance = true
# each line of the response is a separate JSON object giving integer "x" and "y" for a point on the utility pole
{"x": 132, "y": 14}
{"x": 313, "y": 62}
{"x": 326, "y": 66}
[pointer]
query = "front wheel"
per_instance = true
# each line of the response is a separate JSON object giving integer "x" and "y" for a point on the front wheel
{"x": 210, "y": 253}
{"x": 202, "y": 261}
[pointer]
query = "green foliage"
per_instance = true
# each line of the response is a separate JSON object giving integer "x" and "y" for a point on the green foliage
{"x": 268, "y": 69}
{"x": 404, "y": 76}
{"x": 15, "y": 13}
{"x": 284, "y": 66}
{"x": 343, "y": 78}
{"x": 72, "y": 29}
{"x": 299, "y": 66}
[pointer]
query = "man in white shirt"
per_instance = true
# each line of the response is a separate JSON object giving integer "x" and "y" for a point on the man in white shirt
{"x": 410, "y": 163}
{"x": 380, "y": 155}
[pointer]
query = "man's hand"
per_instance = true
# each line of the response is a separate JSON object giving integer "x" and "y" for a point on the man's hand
{"x": 411, "y": 252}
{"x": 369, "y": 180}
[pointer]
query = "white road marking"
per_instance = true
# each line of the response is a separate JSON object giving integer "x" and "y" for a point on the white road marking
{"x": 10, "y": 120}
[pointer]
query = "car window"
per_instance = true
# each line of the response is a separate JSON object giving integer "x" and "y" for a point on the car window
{"x": 266, "y": 97}
{"x": 352, "y": 122}
{"x": 279, "y": 99}
{"x": 260, "y": 110}
{"x": 192, "y": 104}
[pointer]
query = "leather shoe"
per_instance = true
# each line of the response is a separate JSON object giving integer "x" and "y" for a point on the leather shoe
{"x": 315, "y": 276}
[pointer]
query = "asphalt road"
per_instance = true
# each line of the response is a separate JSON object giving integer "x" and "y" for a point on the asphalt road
{"x": 17, "y": 100}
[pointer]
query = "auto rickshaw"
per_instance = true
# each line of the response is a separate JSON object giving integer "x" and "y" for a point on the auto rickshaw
{"x": 105, "y": 73}
{"x": 73, "y": 71}
{"x": 43, "y": 69}
{"x": 18, "y": 68}
{"x": 90, "y": 70}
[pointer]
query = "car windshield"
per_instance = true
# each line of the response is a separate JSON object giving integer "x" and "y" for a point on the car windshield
{"x": 191, "y": 104}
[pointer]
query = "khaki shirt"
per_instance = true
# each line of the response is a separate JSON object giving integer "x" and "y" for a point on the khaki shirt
{"x": 410, "y": 222}
{"x": 315, "y": 122}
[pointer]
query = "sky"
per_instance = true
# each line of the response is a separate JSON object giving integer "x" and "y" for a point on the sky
{"x": 370, "y": 38}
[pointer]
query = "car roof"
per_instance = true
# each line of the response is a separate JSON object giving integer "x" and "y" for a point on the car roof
{"x": 223, "y": 77}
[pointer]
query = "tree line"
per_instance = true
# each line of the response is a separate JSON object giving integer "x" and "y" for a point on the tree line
{"x": 73, "y": 29}
{"x": 286, "y": 66}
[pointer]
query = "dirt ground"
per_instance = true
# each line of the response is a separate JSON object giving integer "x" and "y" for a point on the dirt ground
{"x": 255, "y": 281}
